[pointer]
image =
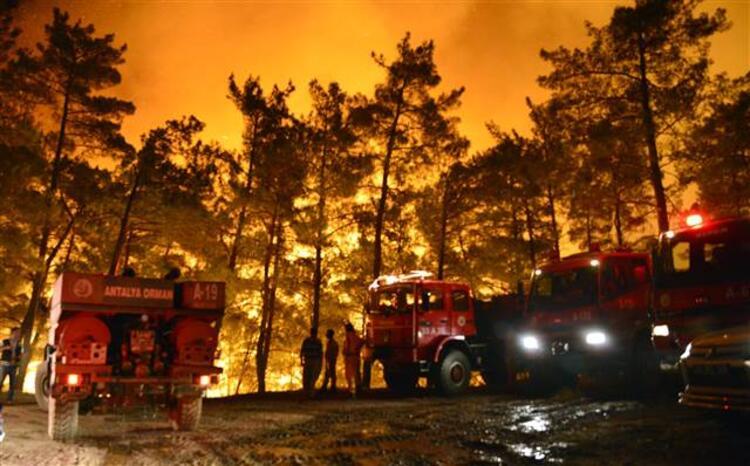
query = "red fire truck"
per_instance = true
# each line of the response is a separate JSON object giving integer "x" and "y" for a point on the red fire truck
{"x": 702, "y": 283}
{"x": 122, "y": 341}
{"x": 587, "y": 319}
{"x": 419, "y": 327}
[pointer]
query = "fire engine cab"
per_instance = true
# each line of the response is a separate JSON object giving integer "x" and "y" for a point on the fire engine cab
{"x": 420, "y": 327}
{"x": 587, "y": 319}
{"x": 702, "y": 282}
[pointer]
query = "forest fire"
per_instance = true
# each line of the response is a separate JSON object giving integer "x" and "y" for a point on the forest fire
{"x": 242, "y": 200}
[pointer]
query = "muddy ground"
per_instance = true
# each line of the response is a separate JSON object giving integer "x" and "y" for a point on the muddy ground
{"x": 379, "y": 429}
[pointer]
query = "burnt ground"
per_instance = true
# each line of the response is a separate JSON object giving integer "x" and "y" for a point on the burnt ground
{"x": 379, "y": 429}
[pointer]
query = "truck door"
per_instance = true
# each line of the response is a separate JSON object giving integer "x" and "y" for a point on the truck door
{"x": 433, "y": 319}
{"x": 462, "y": 315}
{"x": 625, "y": 291}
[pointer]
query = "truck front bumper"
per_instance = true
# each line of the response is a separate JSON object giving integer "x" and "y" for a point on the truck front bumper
{"x": 569, "y": 367}
{"x": 725, "y": 399}
{"x": 716, "y": 384}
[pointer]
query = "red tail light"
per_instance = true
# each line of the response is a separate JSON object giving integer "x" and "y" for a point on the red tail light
{"x": 73, "y": 379}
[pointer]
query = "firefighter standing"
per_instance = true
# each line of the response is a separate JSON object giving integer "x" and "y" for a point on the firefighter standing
{"x": 331, "y": 354}
{"x": 311, "y": 357}
{"x": 10, "y": 354}
{"x": 352, "y": 347}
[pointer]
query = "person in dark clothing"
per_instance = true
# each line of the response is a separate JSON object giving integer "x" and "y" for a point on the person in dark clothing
{"x": 10, "y": 355}
{"x": 311, "y": 357}
{"x": 331, "y": 354}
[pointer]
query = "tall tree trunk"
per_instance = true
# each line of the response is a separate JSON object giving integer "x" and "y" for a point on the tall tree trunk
{"x": 234, "y": 252}
{"x": 530, "y": 232}
{"x": 655, "y": 171}
{"x": 516, "y": 235}
{"x": 377, "y": 262}
{"x": 242, "y": 219}
{"x": 618, "y": 221}
{"x": 589, "y": 233}
{"x": 121, "y": 234}
{"x": 69, "y": 252}
{"x": 553, "y": 220}
{"x": 272, "y": 298}
{"x": 128, "y": 246}
{"x": 243, "y": 366}
{"x": 319, "y": 240}
{"x": 443, "y": 227}
{"x": 39, "y": 278}
{"x": 260, "y": 369}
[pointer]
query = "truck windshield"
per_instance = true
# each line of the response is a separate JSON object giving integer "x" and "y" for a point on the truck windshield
{"x": 399, "y": 299}
{"x": 714, "y": 256}
{"x": 563, "y": 289}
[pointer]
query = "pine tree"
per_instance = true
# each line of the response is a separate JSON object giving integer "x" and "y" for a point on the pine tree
{"x": 717, "y": 154}
{"x": 652, "y": 58}
{"x": 335, "y": 172}
{"x": 401, "y": 109}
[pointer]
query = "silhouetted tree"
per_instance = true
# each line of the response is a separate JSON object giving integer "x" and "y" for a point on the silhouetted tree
{"x": 652, "y": 56}
{"x": 402, "y": 106}
{"x": 717, "y": 155}
{"x": 334, "y": 176}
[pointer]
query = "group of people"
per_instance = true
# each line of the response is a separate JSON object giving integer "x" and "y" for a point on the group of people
{"x": 313, "y": 359}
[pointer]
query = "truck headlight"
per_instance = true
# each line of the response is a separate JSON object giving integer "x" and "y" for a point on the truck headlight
{"x": 596, "y": 338}
{"x": 529, "y": 343}
{"x": 660, "y": 331}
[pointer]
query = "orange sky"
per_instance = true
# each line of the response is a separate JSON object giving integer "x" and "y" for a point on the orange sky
{"x": 181, "y": 52}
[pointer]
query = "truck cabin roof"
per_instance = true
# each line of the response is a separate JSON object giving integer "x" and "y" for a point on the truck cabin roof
{"x": 413, "y": 278}
{"x": 737, "y": 225}
{"x": 584, "y": 259}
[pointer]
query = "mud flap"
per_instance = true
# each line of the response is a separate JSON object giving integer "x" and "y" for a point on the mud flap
{"x": 41, "y": 385}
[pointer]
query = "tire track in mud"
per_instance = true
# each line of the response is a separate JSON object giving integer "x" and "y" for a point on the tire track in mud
{"x": 476, "y": 429}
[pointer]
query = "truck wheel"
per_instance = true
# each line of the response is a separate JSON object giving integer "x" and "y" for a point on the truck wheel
{"x": 454, "y": 373}
{"x": 62, "y": 419}
{"x": 41, "y": 385}
{"x": 402, "y": 380}
{"x": 187, "y": 415}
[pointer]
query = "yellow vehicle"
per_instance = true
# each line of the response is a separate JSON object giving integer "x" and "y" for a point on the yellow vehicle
{"x": 716, "y": 370}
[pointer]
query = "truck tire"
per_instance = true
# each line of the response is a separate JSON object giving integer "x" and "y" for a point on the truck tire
{"x": 187, "y": 414}
{"x": 453, "y": 373}
{"x": 41, "y": 385}
{"x": 62, "y": 419}
{"x": 400, "y": 380}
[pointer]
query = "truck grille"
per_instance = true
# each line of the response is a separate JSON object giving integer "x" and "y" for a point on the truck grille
{"x": 559, "y": 347}
{"x": 717, "y": 375}
{"x": 721, "y": 352}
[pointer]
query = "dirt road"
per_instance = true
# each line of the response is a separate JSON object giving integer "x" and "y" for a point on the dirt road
{"x": 477, "y": 429}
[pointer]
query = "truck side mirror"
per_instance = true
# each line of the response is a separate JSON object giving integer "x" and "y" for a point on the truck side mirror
{"x": 425, "y": 301}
